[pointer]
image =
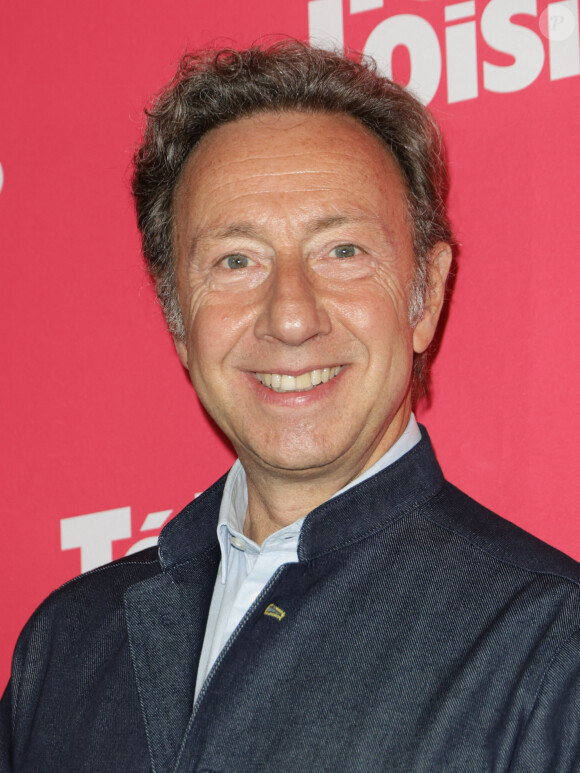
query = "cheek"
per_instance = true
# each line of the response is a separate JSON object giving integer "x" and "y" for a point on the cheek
{"x": 207, "y": 334}
{"x": 215, "y": 330}
{"x": 378, "y": 319}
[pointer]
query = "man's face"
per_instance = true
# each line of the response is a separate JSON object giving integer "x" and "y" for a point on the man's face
{"x": 294, "y": 265}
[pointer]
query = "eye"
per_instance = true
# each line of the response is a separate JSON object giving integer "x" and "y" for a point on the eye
{"x": 236, "y": 261}
{"x": 345, "y": 251}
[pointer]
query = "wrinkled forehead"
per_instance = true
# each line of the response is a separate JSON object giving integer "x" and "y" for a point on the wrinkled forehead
{"x": 290, "y": 155}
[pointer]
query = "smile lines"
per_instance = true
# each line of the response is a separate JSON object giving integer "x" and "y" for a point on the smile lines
{"x": 280, "y": 382}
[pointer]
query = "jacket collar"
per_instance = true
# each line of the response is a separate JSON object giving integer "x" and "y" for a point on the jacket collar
{"x": 367, "y": 507}
{"x": 373, "y": 504}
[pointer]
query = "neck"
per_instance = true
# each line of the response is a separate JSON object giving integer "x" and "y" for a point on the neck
{"x": 278, "y": 497}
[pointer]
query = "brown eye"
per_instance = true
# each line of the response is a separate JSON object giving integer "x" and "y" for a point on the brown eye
{"x": 237, "y": 261}
{"x": 345, "y": 251}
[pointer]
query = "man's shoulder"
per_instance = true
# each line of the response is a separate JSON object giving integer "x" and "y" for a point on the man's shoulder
{"x": 79, "y": 622}
{"x": 92, "y": 597}
{"x": 111, "y": 580}
{"x": 97, "y": 597}
{"x": 495, "y": 536}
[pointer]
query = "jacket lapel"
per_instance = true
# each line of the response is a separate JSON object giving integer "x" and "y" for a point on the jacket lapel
{"x": 166, "y": 618}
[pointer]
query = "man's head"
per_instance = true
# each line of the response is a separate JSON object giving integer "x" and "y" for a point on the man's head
{"x": 216, "y": 88}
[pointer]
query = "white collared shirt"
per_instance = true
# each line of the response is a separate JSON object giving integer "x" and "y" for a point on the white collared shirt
{"x": 246, "y": 567}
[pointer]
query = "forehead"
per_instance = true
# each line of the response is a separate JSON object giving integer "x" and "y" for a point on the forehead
{"x": 295, "y": 159}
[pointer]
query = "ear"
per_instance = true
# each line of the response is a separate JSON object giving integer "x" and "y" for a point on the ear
{"x": 181, "y": 349}
{"x": 440, "y": 262}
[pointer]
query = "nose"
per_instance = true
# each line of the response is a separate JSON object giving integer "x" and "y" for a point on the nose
{"x": 293, "y": 311}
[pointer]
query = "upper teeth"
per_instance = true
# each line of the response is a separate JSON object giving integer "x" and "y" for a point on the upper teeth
{"x": 280, "y": 382}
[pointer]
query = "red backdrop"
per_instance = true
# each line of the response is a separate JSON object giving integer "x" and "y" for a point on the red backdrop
{"x": 99, "y": 419}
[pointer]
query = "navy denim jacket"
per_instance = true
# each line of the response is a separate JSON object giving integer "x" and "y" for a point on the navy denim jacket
{"x": 420, "y": 633}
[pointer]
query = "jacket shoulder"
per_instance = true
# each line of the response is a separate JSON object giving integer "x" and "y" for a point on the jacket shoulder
{"x": 501, "y": 539}
{"x": 105, "y": 584}
{"x": 93, "y": 600}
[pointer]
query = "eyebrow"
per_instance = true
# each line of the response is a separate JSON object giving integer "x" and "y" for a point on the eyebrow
{"x": 242, "y": 228}
{"x": 335, "y": 221}
{"x": 248, "y": 230}
{"x": 245, "y": 228}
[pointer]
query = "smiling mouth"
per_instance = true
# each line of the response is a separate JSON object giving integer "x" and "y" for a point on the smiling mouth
{"x": 280, "y": 382}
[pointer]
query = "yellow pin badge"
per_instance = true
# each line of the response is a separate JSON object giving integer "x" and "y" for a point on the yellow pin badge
{"x": 273, "y": 611}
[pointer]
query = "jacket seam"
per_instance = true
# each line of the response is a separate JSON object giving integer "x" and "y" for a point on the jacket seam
{"x": 139, "y": 691}
{"x": 97, "y": 569}
{"x": 548, "y": 668}
{"x": 541, "y": 682}
{"x": 488, "y": 552}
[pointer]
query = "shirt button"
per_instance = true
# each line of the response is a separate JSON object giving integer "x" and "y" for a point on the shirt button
{"x": 238, "y": 543}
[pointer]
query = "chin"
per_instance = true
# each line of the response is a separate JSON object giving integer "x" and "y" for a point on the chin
{"x": 303, "y": 458}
